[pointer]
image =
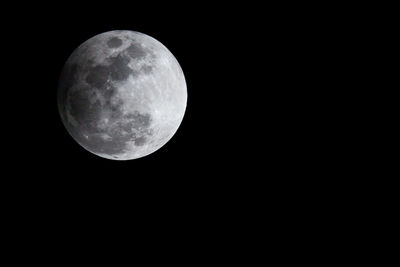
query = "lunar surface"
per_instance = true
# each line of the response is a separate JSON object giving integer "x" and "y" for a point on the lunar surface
{"x": 122, "y": 95}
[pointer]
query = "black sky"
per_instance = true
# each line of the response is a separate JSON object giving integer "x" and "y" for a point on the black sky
{"x": 252, "y": 131}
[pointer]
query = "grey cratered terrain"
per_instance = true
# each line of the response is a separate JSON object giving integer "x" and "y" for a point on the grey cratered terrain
{"x": 122, "y": 95}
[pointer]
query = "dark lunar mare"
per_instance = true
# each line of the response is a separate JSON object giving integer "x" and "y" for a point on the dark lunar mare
{"x": 117, "y": 70}
{"x": 97, "y": 76}
{"x": 114, "y": 42}
{"x": 136, "y": 51}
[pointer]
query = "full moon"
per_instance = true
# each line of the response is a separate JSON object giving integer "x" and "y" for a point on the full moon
{"x": 122, "y": 95}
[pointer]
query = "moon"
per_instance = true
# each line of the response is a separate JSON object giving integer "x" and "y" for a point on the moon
{"x": 122, "y": 95}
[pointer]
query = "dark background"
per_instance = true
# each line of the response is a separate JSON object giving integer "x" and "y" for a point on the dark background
{"x": 254, "y": 141}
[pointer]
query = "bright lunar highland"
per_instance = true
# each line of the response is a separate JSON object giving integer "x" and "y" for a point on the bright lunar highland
{"x": 122, "y": 95}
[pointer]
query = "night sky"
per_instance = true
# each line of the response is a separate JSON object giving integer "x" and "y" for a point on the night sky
{"x": 252, "y": 137}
